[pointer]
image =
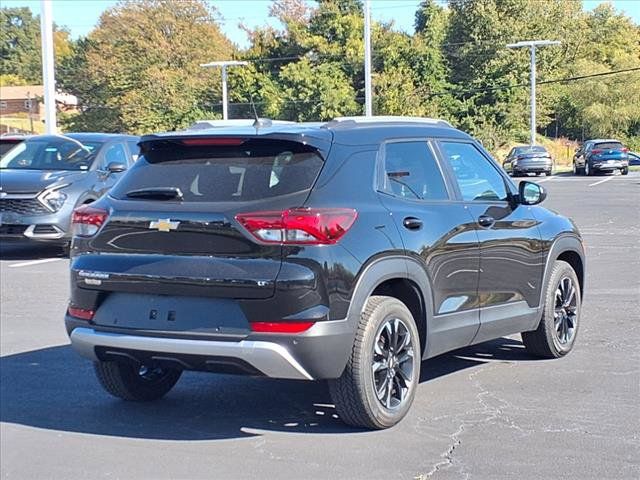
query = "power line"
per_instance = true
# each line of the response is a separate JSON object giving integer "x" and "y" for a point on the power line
{"x": 521, "y": 85}
{"x": 360, "y": 98}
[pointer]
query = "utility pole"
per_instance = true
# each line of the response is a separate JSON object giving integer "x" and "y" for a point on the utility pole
{"x": 30, "y": 111}
{"x": 532, "y": 44}
{"x": 223, "y": 65}
{"x": 368, "y": 110}
{"x": 48, "y": 75}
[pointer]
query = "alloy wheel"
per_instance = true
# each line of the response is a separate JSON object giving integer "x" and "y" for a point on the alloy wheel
{"x": 565, "y": 313}
{"x": 393, "y": 363}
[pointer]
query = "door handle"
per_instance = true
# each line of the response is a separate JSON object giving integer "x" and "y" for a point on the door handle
{"x": 486, "y": 221}
{"x": 412, "y": 223}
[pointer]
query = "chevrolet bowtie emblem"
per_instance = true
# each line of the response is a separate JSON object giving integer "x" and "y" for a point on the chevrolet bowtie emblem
{"x": 164, "y": 225}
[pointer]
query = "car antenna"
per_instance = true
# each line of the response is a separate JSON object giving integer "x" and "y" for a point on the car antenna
{"x": 257, "y": 123}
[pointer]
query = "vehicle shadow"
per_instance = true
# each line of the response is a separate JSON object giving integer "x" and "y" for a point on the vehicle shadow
{"x": 54, "y": 388}
{"x": 21, "y": 251}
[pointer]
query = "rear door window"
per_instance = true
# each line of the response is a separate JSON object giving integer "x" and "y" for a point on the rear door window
{"x": 256, "y": 169}
{"x": 411, "y": 171}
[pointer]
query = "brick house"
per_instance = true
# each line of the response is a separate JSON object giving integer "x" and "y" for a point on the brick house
{"x": 22, "y": 101}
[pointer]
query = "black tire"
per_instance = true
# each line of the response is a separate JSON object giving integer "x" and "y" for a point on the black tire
{"x": 547, "y": 341}
{"x": 355, "y": 393}
{"x": 587, "y": 170}
{"x": 624, "y": 171}
{"x": 548, "y": 173}
{"x": 126, "y": 381}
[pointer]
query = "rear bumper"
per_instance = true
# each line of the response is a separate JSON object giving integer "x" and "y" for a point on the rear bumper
{"x": 609, "y": 166}
{"x": 267, "y": 357}
{"x": 525, "y": 166}
{"x": 319, "y": 353}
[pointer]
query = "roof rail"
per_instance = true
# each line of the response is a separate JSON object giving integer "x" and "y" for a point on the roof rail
{"x": 389, "y": 119}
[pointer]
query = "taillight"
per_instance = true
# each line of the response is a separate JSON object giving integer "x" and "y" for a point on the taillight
{"x": 87, "y": 220}
{"x": 307, "y": 226}
{"x": 81, "y": 313}
{"x": 280, "y": 327}
{"x": 596, "y": 151}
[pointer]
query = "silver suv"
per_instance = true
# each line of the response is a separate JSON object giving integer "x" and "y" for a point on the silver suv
{"x": 45, "y": 177}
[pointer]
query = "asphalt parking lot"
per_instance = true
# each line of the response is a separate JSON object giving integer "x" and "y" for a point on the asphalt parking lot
{"x": 487, "y": 411}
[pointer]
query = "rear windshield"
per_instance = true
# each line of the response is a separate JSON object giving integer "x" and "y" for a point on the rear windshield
{"x": 255, "y": 170}
{"x": 609, "y": 145}
{"x": 530, "y": 149}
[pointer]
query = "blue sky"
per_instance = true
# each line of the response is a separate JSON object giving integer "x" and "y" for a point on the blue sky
{"x": 80, "y": 16}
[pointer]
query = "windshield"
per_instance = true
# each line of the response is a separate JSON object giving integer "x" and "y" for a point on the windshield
{"x": 6, "y": 145}
{"x": 58, "y": 153}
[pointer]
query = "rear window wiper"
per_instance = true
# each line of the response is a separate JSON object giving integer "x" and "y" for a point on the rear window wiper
{"x": 157, "y": 193}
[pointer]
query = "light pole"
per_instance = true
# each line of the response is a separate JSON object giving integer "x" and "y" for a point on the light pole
{"x": 223, "y": 65}
{"x": 48, "y": 75}
{"x": 367, "y": 60}
{"x": 532, "y": 44}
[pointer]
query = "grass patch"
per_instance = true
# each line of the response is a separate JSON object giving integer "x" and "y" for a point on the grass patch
{"x": 22, "y": 124}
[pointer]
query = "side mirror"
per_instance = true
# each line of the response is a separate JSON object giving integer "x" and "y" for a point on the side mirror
{"x": 530, "y": 193}
{"x": 116, "y": 167}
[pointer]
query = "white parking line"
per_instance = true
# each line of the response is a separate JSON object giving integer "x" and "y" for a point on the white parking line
{"x": 548, "y": 179}
{"x": 600, "y": 181}
{"x": 33, "y": 262}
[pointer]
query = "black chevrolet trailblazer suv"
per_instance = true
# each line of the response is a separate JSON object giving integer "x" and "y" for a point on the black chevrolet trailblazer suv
{"x": 348, "y": 251}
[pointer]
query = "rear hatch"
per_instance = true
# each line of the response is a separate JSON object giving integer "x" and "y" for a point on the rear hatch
{"x": 609, "y": 151}
{"x": 172, "y": 230}
{"x": 534, "y": 154}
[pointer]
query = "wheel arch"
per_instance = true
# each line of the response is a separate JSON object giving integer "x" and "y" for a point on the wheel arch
{"x": 399, "y": 277}
{"x": 567, "y": 248}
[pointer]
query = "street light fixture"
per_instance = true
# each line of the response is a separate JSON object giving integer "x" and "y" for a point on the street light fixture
{"x": 532, "y": 44}
{"x": 223, "y": 65}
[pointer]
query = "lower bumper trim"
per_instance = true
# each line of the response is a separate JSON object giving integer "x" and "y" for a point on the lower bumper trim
{"x": 270, "y": 358}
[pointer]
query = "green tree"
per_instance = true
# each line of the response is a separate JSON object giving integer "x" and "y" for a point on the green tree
{"x": 10, "y": 80}
{"x": 19, "y": 44}
{"x": 603, "y": 106}
{"x": 411, "y": 70}
{"x": 481, "y": 64}
{"x": 20, "y": 51}
{"x": 139, "y": 70}
{"x": 319, "y": 92}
